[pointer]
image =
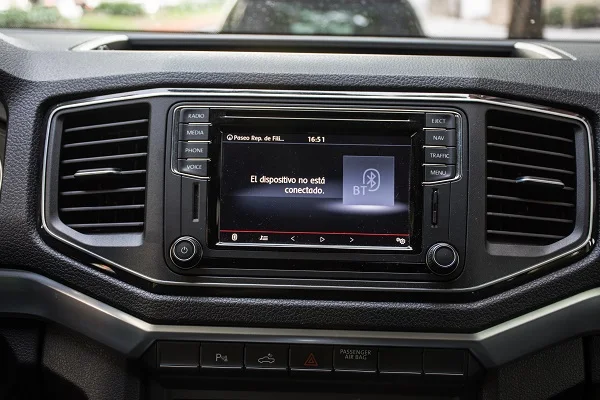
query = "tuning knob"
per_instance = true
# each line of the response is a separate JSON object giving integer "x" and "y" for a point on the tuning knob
{"x": 186, "y": 252}
{"x": 442, "y": 259}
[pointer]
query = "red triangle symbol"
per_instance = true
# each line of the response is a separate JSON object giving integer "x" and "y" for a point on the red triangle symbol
{"x": 311, "y": 361}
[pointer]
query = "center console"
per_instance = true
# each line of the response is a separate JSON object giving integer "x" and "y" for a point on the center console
{"x": 338, "y": 190}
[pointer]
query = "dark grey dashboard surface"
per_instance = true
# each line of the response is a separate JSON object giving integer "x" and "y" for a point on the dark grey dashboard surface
{"x": 35, "y": 76}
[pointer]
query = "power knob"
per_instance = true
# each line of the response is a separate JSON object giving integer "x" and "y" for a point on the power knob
{"x": 186, "y": 252}
{"x": 442, "y": 259}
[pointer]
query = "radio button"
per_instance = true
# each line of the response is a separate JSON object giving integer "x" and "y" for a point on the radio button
{"x": 439, "y": 120}
{"x": 192, "y": 150}
{"x": 440, "y": 137}
{"x": 193, "y": 132}
{"x": 193, "y": 167}
{"x": 435, "y": 173}
{"x": 440, "y": 155}
{"x": 193, "y": 115}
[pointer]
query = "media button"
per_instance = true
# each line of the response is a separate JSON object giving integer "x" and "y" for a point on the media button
{"x": 440, "y": 137}
{"x": 192, "y": 150}
{"x": 193, "y": 115}
{"x": 440, "y": 120}
{"x": 440, "y": 155}
{"x": 434, "y": 173}
{"x": 311, "y": 358}
{"x": 222, "y": 355}
{"x": 355, "y": 359}
{"x": 193, "y": 167}
{"x": 193, "y": 132}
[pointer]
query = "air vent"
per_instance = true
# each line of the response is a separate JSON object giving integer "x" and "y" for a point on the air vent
{"x": 531, "y": 178}
{"x": 103, "y": 159}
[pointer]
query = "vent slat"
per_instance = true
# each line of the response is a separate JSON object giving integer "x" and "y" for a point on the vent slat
{"x": 530, "y": 150}
{"x": 108, "y": 191}
{"x": 523, "y": 200}
{"x": 122, "y": 173}
{"x": 531, "y": 217}
{"x": 104, "y": 158}
{"x": 530, "y": 166}
{"x": 104, "y": 140}
{"x": 530, "y": 212}
{"x": 103, "y": 208}
{"x": 505, "y": 180}
{"x": 107, "y": 225}
{"x": 525, "y": 234}
{"x": 538, "y": 135}
{"x": 107, "y": 125}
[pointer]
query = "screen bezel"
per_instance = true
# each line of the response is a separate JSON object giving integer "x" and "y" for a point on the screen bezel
{"x": 415, "y": 194}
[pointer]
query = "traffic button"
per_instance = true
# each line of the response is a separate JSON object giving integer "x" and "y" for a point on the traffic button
{"x": 440, "y": 155}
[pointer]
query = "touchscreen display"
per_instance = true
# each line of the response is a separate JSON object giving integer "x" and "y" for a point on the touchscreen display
{"x": 315, "y": 190}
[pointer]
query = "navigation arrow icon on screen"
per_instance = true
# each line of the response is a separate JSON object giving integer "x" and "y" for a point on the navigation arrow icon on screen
{"x": 293, "y": 238}
{"x": 351, "y": 240}
{"x": 321, "y": 239}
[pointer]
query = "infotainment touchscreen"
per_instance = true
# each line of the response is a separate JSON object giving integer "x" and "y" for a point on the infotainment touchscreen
{"x": 294, "y": 189}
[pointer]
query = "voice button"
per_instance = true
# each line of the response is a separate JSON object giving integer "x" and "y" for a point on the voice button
{"x": 193, "y": 167}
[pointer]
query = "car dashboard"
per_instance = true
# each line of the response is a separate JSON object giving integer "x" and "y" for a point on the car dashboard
{"x": 188, "y": 216}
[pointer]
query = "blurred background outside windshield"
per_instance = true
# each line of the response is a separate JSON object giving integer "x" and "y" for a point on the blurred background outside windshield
{"x": 473, "y": 19}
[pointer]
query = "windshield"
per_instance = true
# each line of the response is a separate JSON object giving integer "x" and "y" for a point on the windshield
{"x": 474, "y": 19}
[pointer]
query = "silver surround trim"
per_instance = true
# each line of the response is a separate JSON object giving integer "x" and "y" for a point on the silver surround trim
{"x": 572, "y": 317}
{"x": 388, "y": 96}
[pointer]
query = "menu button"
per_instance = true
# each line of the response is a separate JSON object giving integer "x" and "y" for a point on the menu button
{"x": 434, "y": 173}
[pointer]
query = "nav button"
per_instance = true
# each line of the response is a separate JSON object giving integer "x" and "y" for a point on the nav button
{"x": 439, "y": 173}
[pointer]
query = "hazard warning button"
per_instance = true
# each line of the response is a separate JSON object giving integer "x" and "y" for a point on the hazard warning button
{"x": 311, "y": 358}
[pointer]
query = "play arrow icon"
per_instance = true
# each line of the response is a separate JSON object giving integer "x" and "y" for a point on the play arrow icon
{"x": 321, "y": 239}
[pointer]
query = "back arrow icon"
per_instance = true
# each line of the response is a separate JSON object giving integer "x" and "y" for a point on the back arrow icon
{"x": 293, "y": 240}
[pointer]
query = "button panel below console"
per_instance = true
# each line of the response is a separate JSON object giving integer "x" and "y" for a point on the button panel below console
{"x": 311, "y": 358}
